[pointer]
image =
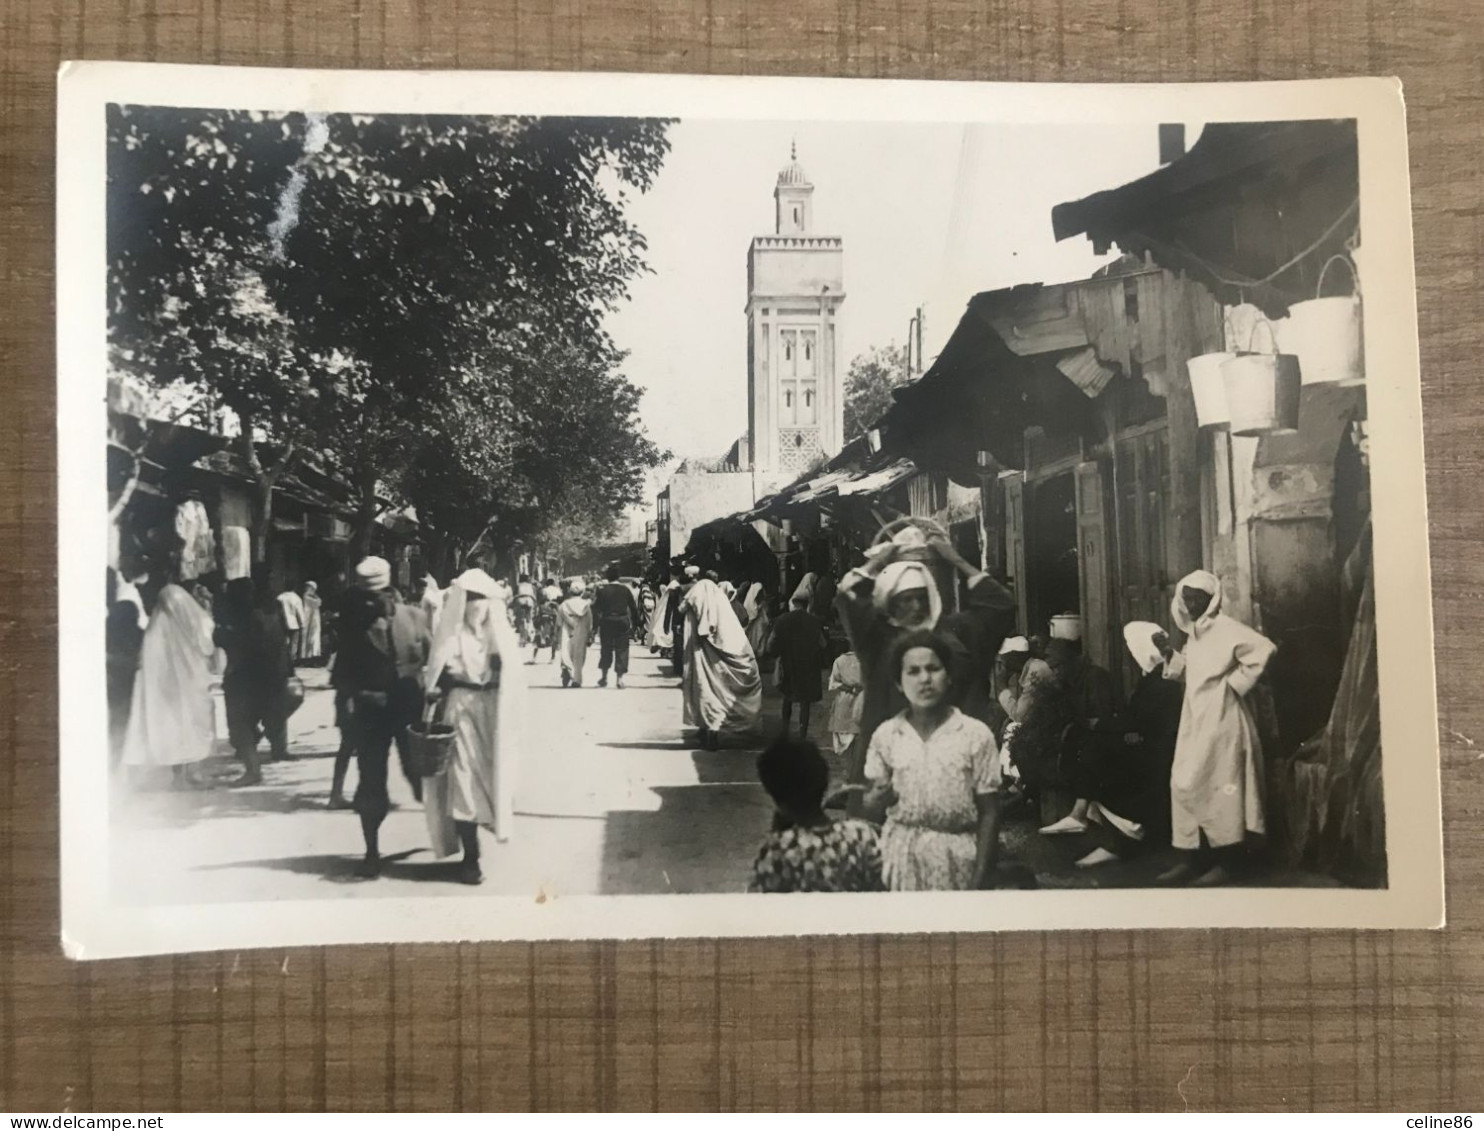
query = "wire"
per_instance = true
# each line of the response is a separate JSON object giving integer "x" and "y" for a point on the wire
{"x": 1244, "y": 282}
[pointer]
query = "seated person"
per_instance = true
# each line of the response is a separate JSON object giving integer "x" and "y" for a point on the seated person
{"x": 1090, "y": 700}
{"x": 1123, "y": 764}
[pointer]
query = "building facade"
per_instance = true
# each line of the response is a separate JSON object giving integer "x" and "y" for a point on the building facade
{"x": 795, "y": 287}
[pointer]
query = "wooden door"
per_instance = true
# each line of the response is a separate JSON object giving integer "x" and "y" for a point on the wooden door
{"x": 1093, "y": 569}
{"x": 1015, "y": 544}
{"x": 1143, "y": 477}
{"x": 1144, "y": 586}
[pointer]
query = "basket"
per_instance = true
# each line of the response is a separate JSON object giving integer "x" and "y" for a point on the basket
{"x": 929, "y": 528}
{"x": 429, "y": 745}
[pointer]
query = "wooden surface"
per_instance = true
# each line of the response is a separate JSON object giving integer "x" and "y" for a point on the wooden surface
{"x": 1149, "y": 1020}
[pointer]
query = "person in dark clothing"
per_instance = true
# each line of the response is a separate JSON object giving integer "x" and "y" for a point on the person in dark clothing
{"x": 1123, "y": 763}
{"x": 617, "y": 613}
{"x": 980, "y": 629}
{"x": 251, "y": 632}
{"x": 1089, "y": 686}
{"x": 798, "y": 642}
{"x": 891, "y": 595}
{"x": 384, "y": 648}
{"x": 123, "y": 638}
{"x": 1087, "y": 693}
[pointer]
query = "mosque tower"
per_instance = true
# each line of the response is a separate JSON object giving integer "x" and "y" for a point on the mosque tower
{"x": 795, "y": 285}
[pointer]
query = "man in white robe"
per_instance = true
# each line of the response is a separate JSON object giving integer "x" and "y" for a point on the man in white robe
{"x": 1216, "y": 781}
{"x": 722, "y": 686}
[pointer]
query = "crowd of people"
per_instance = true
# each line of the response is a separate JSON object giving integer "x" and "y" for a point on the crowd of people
{"x": 939, "y": 723}
{"x": 944, "y": 723}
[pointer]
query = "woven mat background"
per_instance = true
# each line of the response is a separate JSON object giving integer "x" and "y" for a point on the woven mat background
{"x": 1146, "y": 1020}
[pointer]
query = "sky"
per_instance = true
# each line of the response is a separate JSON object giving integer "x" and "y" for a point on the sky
{"x": 931, "y": 214}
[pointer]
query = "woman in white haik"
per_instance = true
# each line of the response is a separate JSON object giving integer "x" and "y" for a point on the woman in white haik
{"x": 1216, "y": 782}
{"x": 475, "y": 664}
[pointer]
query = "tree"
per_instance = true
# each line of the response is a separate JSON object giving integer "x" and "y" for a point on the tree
{"x": 397, "y": 292}
{"x": 868, "y": 385}
{"x": 192, "y": 199}
{"x": 459, "y": 254}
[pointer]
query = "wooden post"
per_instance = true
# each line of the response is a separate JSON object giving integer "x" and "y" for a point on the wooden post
{"x": 1192, "y": 327}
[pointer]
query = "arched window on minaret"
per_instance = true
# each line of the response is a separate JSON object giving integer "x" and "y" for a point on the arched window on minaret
{"x": 808, "y": 413}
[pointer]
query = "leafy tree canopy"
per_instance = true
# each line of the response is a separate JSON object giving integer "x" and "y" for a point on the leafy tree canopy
{"x": 868, "y": 385}
{"x": 418, "y": 299}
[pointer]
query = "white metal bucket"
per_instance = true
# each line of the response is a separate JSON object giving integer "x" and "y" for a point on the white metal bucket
{"x": 1209, "y": 388}
{"x": 1262, "y": 392}
{"x": 1324, "y": 333}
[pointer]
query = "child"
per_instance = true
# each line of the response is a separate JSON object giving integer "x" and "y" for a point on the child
{"x": 845, "y": 704}
{"x": 807, "y": 851}
{"x": 936, "y": 773}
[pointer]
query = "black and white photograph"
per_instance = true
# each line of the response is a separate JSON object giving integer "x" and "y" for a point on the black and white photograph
{"x": 593, "y": 506}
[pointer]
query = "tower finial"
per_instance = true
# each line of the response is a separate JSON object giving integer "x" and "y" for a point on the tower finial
{"x": 793, "y": 149}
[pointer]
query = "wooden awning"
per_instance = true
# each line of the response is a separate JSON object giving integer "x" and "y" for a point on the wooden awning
{"x": 1252, "y": 212}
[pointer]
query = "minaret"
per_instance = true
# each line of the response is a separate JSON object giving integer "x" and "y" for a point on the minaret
{"x": 795, "y": 285}
{"x": 793, "y": 197}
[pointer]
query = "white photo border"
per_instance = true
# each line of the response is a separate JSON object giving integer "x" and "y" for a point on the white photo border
{"x": 94, "y": 926}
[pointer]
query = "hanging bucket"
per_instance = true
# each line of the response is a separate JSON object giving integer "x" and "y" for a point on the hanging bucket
{"x": 1325, "y": 334}
{"x": 1209, "y": 388}
{"x": 1262, "y": 392}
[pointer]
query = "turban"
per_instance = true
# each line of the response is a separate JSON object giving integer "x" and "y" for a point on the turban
{"x": 374, "y": 574}
{"x": 904, "y": 577}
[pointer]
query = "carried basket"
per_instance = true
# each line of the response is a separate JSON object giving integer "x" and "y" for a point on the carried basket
{"x": 429, "y": 745}
{"x": 929, "y": 528}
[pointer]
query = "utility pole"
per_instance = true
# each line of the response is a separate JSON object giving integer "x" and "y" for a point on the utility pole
{"x": 914, "y": 340}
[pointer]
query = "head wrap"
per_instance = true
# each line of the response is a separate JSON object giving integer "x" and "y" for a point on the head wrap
{"x": 374, "y": 574}
{"x": 1014, "y": 644}
{"x": 903, "y": 577}
{"x": 1139, "y": 636}
{"x": 578, "y": 587}
{"x": 478, "y": 583}
{"x": 753, "y": 601}
{"x": 692, "y": 571}
{"x": 805, "y": 590}
{"x": 729, "y": 589}
{"x": 1206, "y": 582}
{"x": 311, "y": 587}
{"x": 498, "y": 743}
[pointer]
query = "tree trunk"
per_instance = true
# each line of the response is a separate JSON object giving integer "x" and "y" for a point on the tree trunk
{"x": 366, "y": 510}
{"x": 264, "y": 481}
{"x": 437, "y": 544}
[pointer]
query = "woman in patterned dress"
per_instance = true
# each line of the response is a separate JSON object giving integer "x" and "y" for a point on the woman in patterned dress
{"x": 936, "y": 772}
{"x": 808, "y": 851}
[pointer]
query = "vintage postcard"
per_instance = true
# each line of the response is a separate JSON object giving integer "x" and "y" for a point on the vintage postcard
{"x": 578, "y": 506}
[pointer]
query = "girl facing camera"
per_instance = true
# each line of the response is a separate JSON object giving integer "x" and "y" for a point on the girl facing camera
{"x": 935, "y": 773}
{"x": 807, "y": 850}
